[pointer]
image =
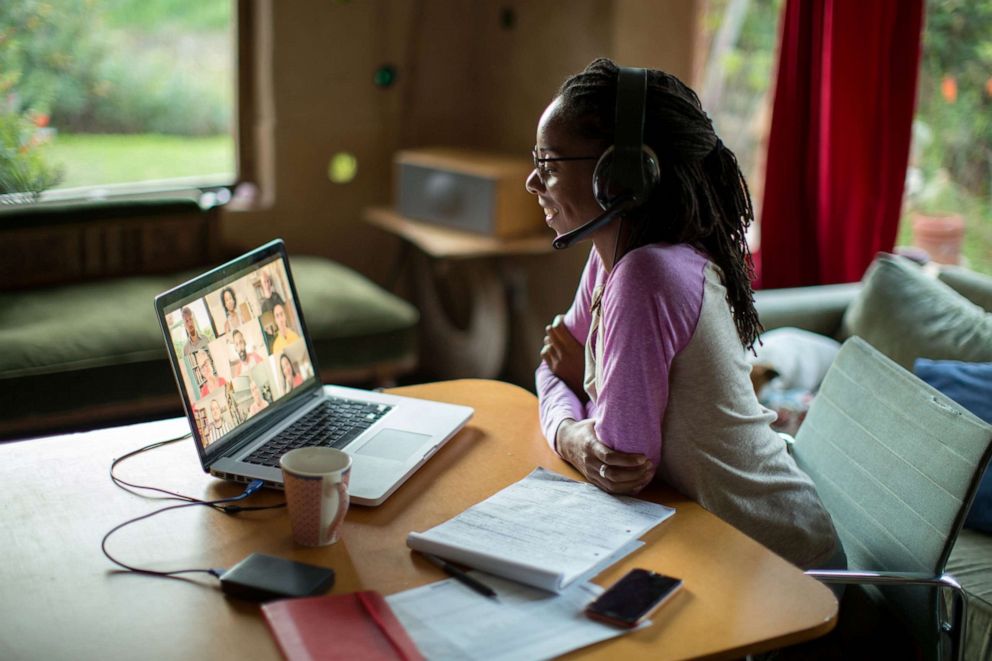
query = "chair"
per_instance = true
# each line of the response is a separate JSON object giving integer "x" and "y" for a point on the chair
{"x": 896, "y": 464}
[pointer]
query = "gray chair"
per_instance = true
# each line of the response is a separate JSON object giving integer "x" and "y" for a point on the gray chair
{"x": 897, "y": 465}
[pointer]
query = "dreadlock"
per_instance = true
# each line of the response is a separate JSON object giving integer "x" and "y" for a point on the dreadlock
{"x": 702, "y": 198}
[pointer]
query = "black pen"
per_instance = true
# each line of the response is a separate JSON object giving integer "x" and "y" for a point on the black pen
{"x": 460, "y": 576}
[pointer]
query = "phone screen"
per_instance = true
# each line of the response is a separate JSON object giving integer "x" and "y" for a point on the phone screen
{"x": 633, "y": 598}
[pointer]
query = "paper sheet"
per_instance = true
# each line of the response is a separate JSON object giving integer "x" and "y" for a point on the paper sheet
{"x": 545, "y": 530}
{"x": 447, "y": 620}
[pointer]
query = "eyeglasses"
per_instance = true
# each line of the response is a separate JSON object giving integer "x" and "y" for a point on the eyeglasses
{"x": 542, "y": 170}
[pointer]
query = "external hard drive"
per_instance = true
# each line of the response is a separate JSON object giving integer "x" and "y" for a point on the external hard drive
{"x": 262, "y": 577}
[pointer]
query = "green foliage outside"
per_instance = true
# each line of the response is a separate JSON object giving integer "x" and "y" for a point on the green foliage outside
{"x": 25, "y": 171}
{"x": 951, "y": 160}
{"x": 93, "y": 159}
{"x": 738, "y": 103}
{"x": 72, "y": 67}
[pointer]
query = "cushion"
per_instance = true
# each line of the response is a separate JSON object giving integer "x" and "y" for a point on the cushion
{"x": 976, "y": 287}
{"x": 970, "y": 385}
{"x": 906, "y": 314}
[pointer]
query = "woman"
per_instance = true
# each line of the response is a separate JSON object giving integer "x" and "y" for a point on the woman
{"x": 230, "y": 302}
{"x": 284, "y": 334}
{"x": 291, "y": 377}
{"x": 210, "y": 380}
{"x": 644, "y": 376}
{"x": 258, "y": 403}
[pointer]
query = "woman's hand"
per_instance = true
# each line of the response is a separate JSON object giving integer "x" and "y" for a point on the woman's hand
{"x": 610, "y": 470}
{"x": 565, "y": 356}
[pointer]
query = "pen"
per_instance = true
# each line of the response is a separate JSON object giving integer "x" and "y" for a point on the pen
{"x": 460, "y": 576}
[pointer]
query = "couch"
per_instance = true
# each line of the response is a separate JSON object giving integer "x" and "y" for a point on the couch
{"x": 81, "y": 345}
{"x": 909, "y": 311}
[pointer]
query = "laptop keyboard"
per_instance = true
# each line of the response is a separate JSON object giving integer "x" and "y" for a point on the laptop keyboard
{"x": 333, "y": 423}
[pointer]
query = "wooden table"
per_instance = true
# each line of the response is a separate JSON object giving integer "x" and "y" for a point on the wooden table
{"x": 63, "y": 599}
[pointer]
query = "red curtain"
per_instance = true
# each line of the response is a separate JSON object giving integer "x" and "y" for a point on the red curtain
{"x": 839, "y": 141}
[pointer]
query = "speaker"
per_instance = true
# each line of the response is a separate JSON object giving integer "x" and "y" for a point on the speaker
{"x": 467, "y": 190}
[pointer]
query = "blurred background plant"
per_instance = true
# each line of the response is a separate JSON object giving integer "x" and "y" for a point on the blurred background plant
{"x": 951, "y": 159}
{"x": 88, "y": 69}
{"x": 24, "y": 169}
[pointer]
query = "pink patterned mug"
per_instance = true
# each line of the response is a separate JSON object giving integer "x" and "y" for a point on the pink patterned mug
{"x": 316, "y": 481}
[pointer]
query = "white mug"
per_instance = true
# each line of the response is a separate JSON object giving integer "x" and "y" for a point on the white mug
{"x": 316, "y": 482}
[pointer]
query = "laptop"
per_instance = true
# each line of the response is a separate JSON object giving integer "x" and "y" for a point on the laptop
{"x": 248, "y": 377}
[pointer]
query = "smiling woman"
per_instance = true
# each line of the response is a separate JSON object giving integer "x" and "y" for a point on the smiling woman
{"x": 122, "y": 91}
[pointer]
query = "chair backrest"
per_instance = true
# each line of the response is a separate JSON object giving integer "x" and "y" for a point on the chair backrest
{"x": 896, "y": 464}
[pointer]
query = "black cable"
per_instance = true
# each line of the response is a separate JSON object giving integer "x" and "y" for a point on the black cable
{"x": 221, "y": 504}
{"x": 172, "y": 495}
{"x": 254, "y": 486}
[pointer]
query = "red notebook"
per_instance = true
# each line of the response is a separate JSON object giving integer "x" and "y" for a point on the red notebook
{"x": 359, "y": 625}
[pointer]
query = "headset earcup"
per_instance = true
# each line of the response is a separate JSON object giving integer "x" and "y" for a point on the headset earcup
{"x": 602, "y": 179}
{"x": 607, "y": 192}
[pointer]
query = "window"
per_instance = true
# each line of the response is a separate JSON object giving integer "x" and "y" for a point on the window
{"x": 107, "y": 97}
{"x": 948, "y": 199}
{"x": 741, "y": 42}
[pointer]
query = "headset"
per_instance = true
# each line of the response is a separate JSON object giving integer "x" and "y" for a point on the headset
{"x": 627, "y": 172}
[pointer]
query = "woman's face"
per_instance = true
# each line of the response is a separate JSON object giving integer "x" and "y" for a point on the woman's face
{"x": 229, "y": 301}
{"x": 287, "y": 367}
{"x": 280, "y": 316}
{"x": 564, "y": 190}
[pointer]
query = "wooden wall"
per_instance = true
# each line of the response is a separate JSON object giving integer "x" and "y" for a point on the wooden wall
{"x": 472, "y": 73}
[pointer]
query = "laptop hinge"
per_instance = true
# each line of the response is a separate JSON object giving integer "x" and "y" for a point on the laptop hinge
{"x": 250, "y": 436}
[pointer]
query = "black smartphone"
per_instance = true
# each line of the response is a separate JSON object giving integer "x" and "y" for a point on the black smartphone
{"x": 633, "y": 598}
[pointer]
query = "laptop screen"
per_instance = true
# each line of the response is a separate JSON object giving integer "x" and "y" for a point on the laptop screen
{"x": 238, "y": 347}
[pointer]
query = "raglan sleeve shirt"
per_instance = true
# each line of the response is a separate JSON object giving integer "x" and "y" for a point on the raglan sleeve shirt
{"x": 651, "y": 304}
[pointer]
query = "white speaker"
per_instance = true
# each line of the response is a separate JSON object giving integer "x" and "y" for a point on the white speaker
{"x": 467, "y": 190}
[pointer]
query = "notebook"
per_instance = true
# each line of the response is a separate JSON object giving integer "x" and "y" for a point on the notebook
{"x": 360, "y": 625}
{"x": 248, "y": 377}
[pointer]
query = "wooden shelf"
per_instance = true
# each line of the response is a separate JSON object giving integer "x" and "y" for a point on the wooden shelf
{"x": 446, "y": 243}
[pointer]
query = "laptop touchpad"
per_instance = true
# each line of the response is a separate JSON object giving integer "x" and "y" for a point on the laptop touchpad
{"x": 393, "y": 444}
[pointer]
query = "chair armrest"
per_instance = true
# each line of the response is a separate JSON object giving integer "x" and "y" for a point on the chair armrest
{"x": 883, "y": 578}
{"x": 953, "y": 626}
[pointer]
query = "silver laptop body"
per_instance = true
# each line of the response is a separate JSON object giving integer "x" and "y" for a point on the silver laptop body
{"x": 248, "y": 377}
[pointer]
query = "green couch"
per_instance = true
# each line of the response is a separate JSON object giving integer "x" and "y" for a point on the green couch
{"x": 90, "y": 351}
{"x": 909, "y": 312}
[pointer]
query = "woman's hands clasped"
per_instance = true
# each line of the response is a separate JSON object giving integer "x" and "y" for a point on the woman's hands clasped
{"x": 611, "y": 470}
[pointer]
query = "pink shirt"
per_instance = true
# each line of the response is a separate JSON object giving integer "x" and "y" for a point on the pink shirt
{"x": 667, "y": 378}
{"x": 650, "y": 306}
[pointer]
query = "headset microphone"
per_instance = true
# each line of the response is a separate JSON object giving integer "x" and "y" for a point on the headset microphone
{"x": 628, "y": 171}
{"x": 621, "y": 204}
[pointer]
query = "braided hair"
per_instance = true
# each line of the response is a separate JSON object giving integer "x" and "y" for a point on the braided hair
{"x": 701, "y": 199}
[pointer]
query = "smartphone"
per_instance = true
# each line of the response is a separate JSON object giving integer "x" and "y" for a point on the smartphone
{"x": 633, "y": 598}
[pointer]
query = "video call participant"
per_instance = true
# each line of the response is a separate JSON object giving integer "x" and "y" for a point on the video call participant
{"x": 284, "y": 334}
{"x": 230, "y": 302}
{"x": 258, "y": 402}
{"x": 211, "y": 381}
{"x": 270, "y": 297}
{"x": 245, "y": 359}
{"x": 219, "y": 423}
{"x": 195, "y": 341}
{"x": 644, "y": 378}
{"x": 291, "y": 376}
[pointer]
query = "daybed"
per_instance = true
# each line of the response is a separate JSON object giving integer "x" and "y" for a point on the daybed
{"x": 79, "y": 342}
